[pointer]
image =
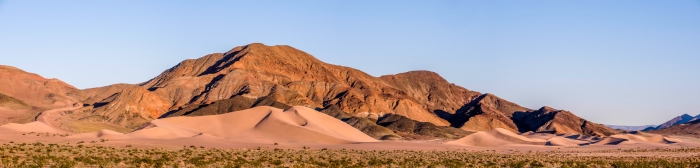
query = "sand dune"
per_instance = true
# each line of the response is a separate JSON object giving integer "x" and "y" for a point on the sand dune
{"x": 562, "y": 141}
{"x": 301, "y": 125}
{"x": 496, "y": 137}
{"x": 610, "y": 141}
{"x": 38, "y": 127}
{"x": 635, "y": 139}
{"x": 294, "y": 125}
{"x": 645, "y": 139}
{"x": 502, "y": 137}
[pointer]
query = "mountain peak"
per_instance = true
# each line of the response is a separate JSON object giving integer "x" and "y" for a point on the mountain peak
{"x": 547, "y": 109}
{"x": 675, "y": 121}
{"x": 685, "y": 116}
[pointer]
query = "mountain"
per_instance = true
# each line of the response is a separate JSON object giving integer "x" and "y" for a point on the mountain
{"x": 630, "y": 128}
{"x": 691, "y": 128}
{"x": 256, "y": 74}
{"x": 548, "y": 119}
{"x": 282, "y": 73}
{"x": 24, "y": 95}
{"x": 682, "y": 119}
{"x": 35, "y": 90}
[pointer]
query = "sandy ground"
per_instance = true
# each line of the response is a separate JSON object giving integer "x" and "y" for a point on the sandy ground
{"x": 300, "y": 127}
{"x": 50, "y": 117}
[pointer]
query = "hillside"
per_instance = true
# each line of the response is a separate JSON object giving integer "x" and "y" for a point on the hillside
{"x": 35, "y": 90}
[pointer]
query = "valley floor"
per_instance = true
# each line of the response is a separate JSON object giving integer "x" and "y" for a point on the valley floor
{"x": 107, "y": 154}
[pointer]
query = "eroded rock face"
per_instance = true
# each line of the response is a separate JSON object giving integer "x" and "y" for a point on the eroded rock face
{"x": 36, "y": 90}
{"x": 130, "y": 107}
{"x": 286, "y": 75}
{"x": 551, "y": 120}
{"x": 486, "y": 112}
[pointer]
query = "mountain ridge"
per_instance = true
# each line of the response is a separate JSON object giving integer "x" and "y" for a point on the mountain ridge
{"x": 293, "y": 77}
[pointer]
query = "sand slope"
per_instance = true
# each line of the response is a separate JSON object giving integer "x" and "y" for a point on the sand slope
{"x": 502, "y": 137}
{"x": 496, "y": 137}
{"x": 38, "y": 127}
{"x": 268, "y": 124}
{"x": 562, "y": 141}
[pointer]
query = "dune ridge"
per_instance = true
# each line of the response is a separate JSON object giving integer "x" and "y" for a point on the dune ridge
{"x": 496, "y": 137}
{"x": 294, "y": 125}
{"x": 503, "y": 137}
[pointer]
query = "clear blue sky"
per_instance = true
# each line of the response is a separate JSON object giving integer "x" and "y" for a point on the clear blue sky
{"x": 613, "y": 62}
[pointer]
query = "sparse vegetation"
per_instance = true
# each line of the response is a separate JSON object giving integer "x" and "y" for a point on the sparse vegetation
{"x": 55, "y": 155}
{"x": 12, "y": 103}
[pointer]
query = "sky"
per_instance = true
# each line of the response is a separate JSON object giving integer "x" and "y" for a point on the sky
{"x": 627, "y": 62}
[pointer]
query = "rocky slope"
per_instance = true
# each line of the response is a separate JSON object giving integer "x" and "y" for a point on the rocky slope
{"x": 257, "y": 73}
{"x": 35, "y": 90}
{"x": 547, "y": 119}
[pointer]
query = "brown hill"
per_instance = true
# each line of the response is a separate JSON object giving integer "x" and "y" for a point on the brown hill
{"x": 290, "y": 77}
{"x": 432, "y": 90}
{"x": 486, "y": 112}
{"x": 130, "y": 107}
{"x": 35, "y": 90}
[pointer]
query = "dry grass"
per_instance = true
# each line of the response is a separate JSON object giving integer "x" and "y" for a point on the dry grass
{"x": 12, "y": 103}
{"x": 91, "y": 154}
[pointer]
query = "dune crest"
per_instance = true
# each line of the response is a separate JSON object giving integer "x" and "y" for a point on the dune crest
{"x": 294, "y": 125}
{"x": 563, "y": 141}
{"x": 503, "y": 137}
